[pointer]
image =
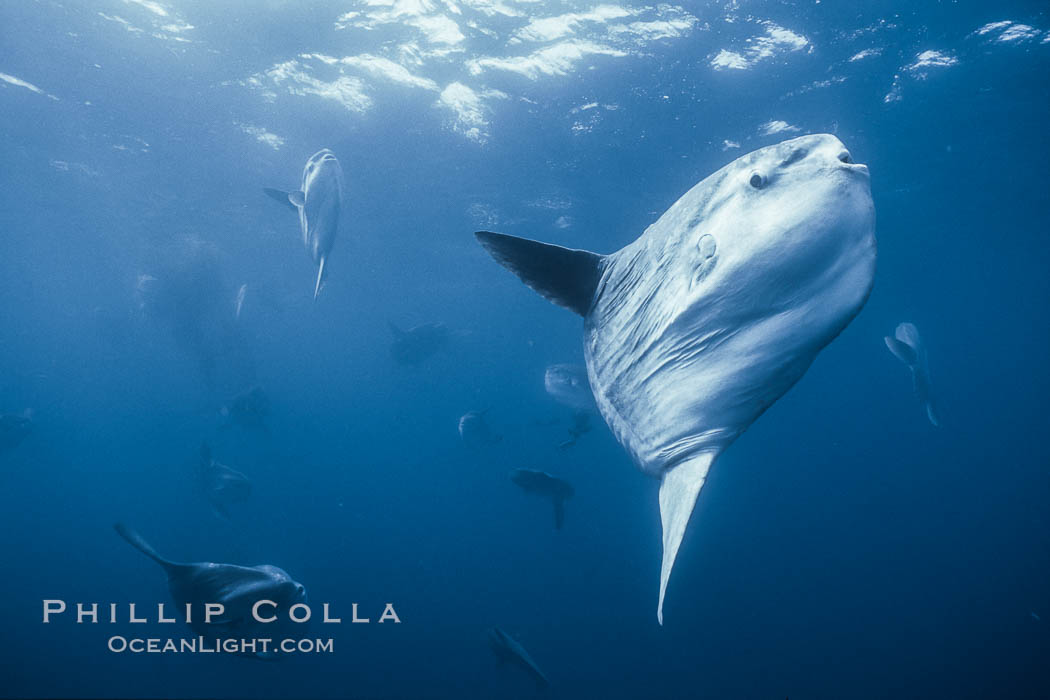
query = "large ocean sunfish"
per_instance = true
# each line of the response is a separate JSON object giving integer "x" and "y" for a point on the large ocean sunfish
{"x": 717, "y": 309}
{"x": 319, "y": 203}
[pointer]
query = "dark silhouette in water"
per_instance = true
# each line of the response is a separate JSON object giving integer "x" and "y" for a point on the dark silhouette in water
{"x": 543, "y": 484}
{"x": 507, "y": 650}
{"x": 187, "y": 292}
{"x": 220, "y": 484}
{"x": 248, "y": 410}
{"x": 418, "y": 343}
{"x": 236, "y": 588}
{"x": 13, "y": 429}
{"x": 474, "y": 430}
{"x": 581, "y": 424}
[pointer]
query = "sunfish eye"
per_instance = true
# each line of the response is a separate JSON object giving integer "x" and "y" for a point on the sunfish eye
{"x": 757, "y": 181}
{"x": 844, "y": 157}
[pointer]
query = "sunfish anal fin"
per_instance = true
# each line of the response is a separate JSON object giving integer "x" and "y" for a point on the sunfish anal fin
{"x": 678, "y": 491}
{"x": 564, "y": 276}
{"x": 320, "y": 278}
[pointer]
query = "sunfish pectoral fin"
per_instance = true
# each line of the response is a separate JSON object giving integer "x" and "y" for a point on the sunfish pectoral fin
{"x": 297, "y": 199}
{"x": 904, "y": 352}
{"x": 564, "y": 276}
{"x": 320, "y": 277}
{"x": 678, "y": 491}
{"x": 280, "y": 196}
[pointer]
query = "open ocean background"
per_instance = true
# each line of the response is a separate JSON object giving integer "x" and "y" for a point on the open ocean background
{"x": 842, "y": 548}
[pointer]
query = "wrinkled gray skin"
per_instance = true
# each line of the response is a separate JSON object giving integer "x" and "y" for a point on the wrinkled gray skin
{"x": 220, "y": 484}
{"x": 320, "y": 204}
{"x": 474, "y": 430}
{"x": 237, "y": 588}
{"x": 543, "y": 484}
{"x": 507, "y": 650}
{"x": 418, "y": 343}
{"x": 693, "y": 330}
{"x": 908, "y": 347}
{"x": 13, "y": 430}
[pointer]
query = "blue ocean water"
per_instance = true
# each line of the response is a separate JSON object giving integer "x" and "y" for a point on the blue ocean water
{"x": 843, "y": 547}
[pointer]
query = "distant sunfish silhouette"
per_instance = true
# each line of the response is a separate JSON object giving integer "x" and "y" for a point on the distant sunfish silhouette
{"x": 418, "y": 343}
{"x": 237, "y": 588}
{"x": 693, "y": 330}
{"x": 474, "y": 430}
{"x": 319, "y": 203}
{"x": 14, "y": 428}
{"x": 507, "y": 650}
{"x": 567, "y": 384}
{"x": 543, "y": 484}
{"x": 909, "y": 349}
{"x": 220, "y": 484}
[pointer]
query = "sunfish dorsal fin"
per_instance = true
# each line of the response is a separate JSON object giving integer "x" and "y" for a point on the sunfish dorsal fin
{"x": 564, "y": 276}
{"x": 678, "y": 491}
{"x": 136, "y": 540}
{"x": 904, "y": 352}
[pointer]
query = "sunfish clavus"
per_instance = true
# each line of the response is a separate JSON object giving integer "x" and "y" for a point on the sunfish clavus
{"x": 319, "y": 203}
{"x": 717, "y": 309}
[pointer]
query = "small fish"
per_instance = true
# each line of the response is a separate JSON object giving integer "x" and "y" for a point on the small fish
{"x": 907, "y": 346}
{"x": 507, "y": 650}
{"x": 543, "y": 484}
{"x": 418, "y": 343}
{"x": 14, "y": 428}
{"x": 236, "y": 588}
{"x": 238, "y": 303}
{"x": 474, "y": 430}
{"x": 220, "y": 484}
{"x": 248, "y": 410}
{"x": 568, "y": 385}
{"x": 319, "y": 204}
{"x": 581, "y": 424}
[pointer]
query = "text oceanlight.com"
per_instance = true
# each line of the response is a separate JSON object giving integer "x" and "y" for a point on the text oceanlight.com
{"x": 200, "y": 645}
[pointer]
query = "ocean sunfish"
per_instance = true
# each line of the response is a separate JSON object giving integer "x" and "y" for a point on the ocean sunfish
{"x": 543, "y": 484}
{"x": 474, "y": 430}
{"x": 14, "y": 427}
{"x": 418, "y": 343}
{"x": 220, "y": 484}
{"x": 319, "y": 203}
{"x": 908, "y": 347}
{"x": 507, "y": 650}
{"x": 236, "y": 588}
{"x": 693, "y": 330}
{"x": 249, "y": 410}
{"x": 567, "y": 384}
{"x": 581, "y": 424}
